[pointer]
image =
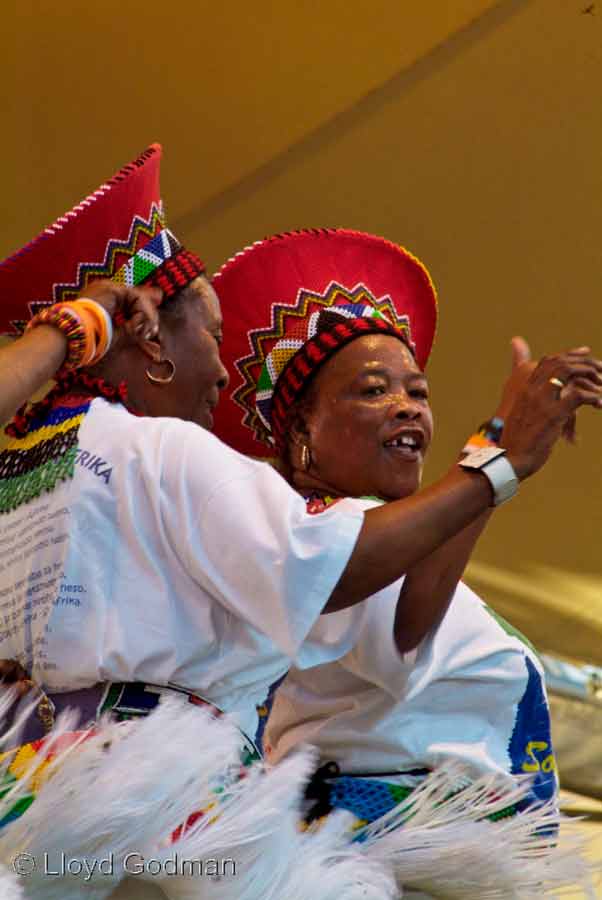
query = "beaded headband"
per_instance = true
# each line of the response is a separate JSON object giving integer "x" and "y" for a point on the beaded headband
{"x": 294, "y": 300}
{"x": 119, "y": 231}
{"x": 292, "y": 363}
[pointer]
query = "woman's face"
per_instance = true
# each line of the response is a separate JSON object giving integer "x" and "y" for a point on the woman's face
{"x": 192, "y": 341}
{"x": 367, "y": 420}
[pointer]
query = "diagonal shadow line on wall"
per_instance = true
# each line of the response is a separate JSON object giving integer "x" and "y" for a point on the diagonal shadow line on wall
{"x": 343, "y": 122}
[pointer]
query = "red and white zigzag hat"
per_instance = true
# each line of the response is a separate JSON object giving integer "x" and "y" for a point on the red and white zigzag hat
{"x": 118, "y": 231}
{"x": 290, "y": 302}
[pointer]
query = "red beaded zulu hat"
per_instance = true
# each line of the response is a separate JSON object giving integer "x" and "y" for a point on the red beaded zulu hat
{"x": 117, "y": 232}
{"x": 290, "y": 302}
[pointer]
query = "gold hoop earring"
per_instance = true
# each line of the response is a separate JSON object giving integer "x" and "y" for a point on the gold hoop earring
{"x": 305, "y": 458}
{"x": 163, "y": 379}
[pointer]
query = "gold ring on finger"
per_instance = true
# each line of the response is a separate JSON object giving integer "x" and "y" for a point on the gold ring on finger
{"x": 557, "y": 382}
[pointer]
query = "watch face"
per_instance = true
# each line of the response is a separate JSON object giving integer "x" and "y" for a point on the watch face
{"x": 481, "y": 457}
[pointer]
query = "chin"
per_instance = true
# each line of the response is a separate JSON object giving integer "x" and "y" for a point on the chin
{"x": 204, "y": 418}
{"x": 400, "y": 491}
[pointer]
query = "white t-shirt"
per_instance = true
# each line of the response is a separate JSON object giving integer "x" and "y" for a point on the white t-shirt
{"x": 471, "y": 691}
{"x": 169, "y": 558}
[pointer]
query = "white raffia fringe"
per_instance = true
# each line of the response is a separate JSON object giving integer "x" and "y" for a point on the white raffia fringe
{"x": 258, "y": 827}
{"x": 440, "y": 841}
{"x": 10, "y": 889}
{"x": 120, "y": 790}
{"x": 129, "y": 787}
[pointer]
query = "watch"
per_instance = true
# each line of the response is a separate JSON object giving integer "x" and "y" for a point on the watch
{"x": 492, "y": 463}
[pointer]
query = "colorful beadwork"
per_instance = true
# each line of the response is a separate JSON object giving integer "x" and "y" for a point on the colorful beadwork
{"x": 20, "y": 766}
{"x": 21, "y": 763}
{"x": 118, "y": 231}
{"x": 68, "y": 320}
{"x": 123, "y": 702}
{"x": 37, "y": 461}
{"x": 294, "y": 299}
{"x": 306, "y": 334}
{"x": 102, "y": 326}
{"x": 369, "y": 799}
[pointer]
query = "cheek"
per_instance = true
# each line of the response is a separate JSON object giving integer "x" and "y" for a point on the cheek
{"x": 429, "y": 426}
{"x": 324, "y": 426}
{"x": 206, "y": 363}
{"x": 344, "y": 432}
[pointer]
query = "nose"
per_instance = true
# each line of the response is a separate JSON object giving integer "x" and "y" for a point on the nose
{"x": 405, "y": 408}
{"x": 223, "y": 379}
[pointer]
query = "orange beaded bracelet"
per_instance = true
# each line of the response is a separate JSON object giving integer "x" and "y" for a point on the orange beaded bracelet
{"x": 87, "y": 326}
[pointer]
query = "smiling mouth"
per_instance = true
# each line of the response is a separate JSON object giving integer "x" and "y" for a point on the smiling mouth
{"x": 407, "y": 446}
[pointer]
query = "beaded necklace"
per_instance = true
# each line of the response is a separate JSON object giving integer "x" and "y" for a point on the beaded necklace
{"x": 43, "y": 446}
{"x": 317, "y": 502}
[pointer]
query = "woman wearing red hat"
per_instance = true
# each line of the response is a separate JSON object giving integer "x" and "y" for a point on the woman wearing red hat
{"x": 339, "y": 327}
{"x": 130, "y": 580}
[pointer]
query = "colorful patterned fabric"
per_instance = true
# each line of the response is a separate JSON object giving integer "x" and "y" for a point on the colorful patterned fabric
{"x": 295, "y": 299}
{"x": 44, "y": 456}
{"x": 263, "y": 711}
{"x": 369, "y": 799}
{"x": 18, "y": 764}
{"x": 131, "y": 700}
{"x": 118, "y": 232}
{"x": 123, "y": 702}
{"x": 530, "y": 748}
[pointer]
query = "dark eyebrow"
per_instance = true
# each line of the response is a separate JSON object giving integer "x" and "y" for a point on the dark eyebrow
{"x": 418, "y": 376}
{"x": 385, "y": 373}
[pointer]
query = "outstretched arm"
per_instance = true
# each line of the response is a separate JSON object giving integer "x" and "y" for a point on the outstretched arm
{"x": 429, "y": 586}
{"x": 403, "y": 533}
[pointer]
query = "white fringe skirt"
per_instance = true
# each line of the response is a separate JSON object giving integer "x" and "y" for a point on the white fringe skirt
{"x": 159, "y": 807}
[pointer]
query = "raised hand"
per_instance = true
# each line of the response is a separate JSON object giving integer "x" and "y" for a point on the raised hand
{"x": 543, "y": 408}
{"x": 133, "y": 307}
{"x": 522, "y": 367}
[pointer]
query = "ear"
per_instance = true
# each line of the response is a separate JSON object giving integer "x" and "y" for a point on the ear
{"x": 298, "y": 428}
{"x": 152, "y": 348}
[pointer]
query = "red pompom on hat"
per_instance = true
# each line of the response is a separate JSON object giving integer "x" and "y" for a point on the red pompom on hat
{"x": 291, "y": 301}
{"x": 117, "y": 232}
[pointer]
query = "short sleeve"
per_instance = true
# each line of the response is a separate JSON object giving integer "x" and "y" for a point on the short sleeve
{"x": 361, "y": 637}
{"x": 244, "y": 536}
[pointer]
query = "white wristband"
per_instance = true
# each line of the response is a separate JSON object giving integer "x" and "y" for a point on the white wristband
{"x": 492, "y": 462}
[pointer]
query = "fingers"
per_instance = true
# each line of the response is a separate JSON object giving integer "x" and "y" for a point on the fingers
{"x": 153, "y": 295}
{"x": 585, "y": 375}
{"x": 521, "y": 352}
{"x": 104, "y": 292}
{"x": 582, "y": 355}
{"x": 578, "y": 393}
{"x": 142, "y": 316}
{"x": 569, "y": 429}
{"x": 568, "y": 366}
{"x": 138, "y": 326}
{"x": 585, "y": 372}
{"x": 136, "y": 305}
